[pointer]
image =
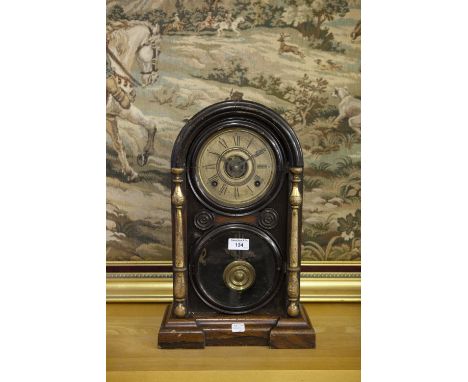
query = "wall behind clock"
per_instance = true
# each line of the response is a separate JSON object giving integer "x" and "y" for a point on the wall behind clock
{"x": 304, "y": 84}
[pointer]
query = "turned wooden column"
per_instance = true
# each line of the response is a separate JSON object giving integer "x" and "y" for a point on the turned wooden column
{"x": 295, "y": 202}
{"x": 179, "y": 261}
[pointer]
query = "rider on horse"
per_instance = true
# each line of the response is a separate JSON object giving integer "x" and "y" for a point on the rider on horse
{"x": 112, "y": 86}
{"x": 176, "y": 23}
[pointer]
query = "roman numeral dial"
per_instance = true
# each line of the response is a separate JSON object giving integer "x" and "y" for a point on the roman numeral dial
{"x": 235, "y": 167}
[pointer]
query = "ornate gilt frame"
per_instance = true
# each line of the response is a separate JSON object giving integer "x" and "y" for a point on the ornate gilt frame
{"x": 320, "y": 281}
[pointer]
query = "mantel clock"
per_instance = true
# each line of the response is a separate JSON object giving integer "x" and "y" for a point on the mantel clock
{"x": 236, "y": 221}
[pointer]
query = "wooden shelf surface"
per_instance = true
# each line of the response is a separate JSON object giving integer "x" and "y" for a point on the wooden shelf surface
{"x": 132, "y": 353}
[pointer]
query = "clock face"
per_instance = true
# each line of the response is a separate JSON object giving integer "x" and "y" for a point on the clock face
{"x": 235, "y": 167}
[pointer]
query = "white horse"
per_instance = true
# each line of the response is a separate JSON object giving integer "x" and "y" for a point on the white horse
{"x": 349, "y": 107}
{"x": 131, "y": 41}
{"x": 224, "y": 25}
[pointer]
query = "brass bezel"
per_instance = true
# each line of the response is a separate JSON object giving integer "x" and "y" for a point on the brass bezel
{"x": 239, "y": 266}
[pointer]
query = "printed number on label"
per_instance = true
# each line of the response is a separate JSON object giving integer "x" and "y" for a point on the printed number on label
{"x": 238, "y": 244}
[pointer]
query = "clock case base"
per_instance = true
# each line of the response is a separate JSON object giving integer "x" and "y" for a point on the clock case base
{"x": 215, "y": 330}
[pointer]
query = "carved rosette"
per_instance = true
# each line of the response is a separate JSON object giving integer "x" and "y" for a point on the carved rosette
{"x": 268, "y": 218}
{"x": 295, "y": 202}
{"x": 179, "y": 266}
{"x": 204, "y": 220}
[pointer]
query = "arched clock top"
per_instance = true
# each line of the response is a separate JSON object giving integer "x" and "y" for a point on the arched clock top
{"x": 237, "y": 112}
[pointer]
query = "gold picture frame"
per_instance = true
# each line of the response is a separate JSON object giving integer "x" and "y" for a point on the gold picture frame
{"x": 338, "y": 282}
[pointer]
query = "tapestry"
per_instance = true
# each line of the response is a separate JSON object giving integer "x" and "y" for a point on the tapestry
{"x": 168, "y": 59}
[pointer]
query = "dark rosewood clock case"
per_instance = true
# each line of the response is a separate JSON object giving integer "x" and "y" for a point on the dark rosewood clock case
{"x": 236, "y": 222}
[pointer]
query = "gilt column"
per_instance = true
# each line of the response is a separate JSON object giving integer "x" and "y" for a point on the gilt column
{"x": 295, "y": 202}
{"x": 179, "y": 262}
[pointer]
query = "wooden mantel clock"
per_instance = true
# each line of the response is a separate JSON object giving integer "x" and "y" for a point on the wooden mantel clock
{"x": 236, "y": 223}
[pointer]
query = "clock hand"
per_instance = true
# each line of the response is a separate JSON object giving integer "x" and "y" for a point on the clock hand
{"x": 256, "y": 154}
{"x": 221, "y": 157}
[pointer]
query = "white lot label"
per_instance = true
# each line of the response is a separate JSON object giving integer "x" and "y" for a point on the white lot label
{"x": 238, "y": 244}
{"x": 238, "y": 328}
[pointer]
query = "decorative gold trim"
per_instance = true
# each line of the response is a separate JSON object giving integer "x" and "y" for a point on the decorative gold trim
{"x": 328, "y": 263}
{"x": 157, "y": 287}
{"x": 168, "y": 263}
{"x": 145, "y": 263}
{"x": 139, "y": 289}
{"x": 321, "y": 289}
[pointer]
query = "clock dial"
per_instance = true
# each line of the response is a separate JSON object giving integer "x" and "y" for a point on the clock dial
{"x": 235, "y": 167}
{"x": 234, "y": 281}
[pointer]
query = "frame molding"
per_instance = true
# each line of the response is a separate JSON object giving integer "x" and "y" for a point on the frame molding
{"x": 140, "y": 285}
